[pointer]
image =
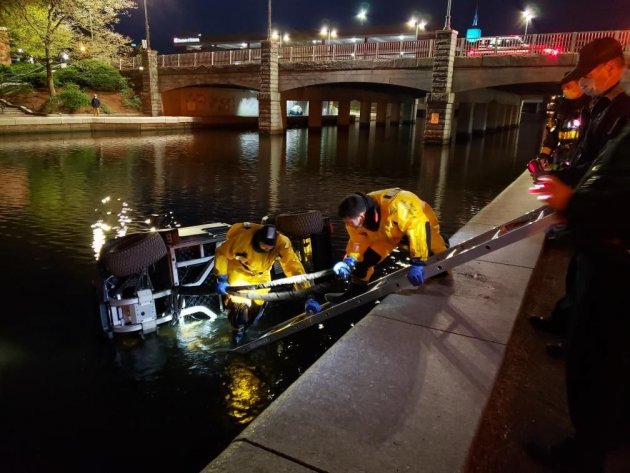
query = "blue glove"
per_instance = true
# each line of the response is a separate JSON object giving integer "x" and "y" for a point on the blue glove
{"x": 222, "y": 284}
{"x": 312, "y": 306}
{"x": 344, "y": 268}
{"x": 416, "y": 272}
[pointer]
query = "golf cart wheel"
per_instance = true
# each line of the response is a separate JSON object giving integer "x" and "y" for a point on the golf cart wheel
{"x": 300, "y": 224}
{"x": 132, "y": 253}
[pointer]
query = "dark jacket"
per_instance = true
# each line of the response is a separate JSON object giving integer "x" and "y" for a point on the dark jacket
{"x": 607, "y": 113}
{"x": 96, "y": 102}
{"x": 596, "y": 210}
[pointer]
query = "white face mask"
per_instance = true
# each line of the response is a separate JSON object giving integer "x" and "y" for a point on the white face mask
{"x": 588, "y": 87}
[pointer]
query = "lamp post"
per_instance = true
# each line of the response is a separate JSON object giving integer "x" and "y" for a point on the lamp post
{"x": 285, "y": 38}
{"x": 269, "y": 33}
{"x": 417, "y": 24}
{"x": 447, "y": 21}
{"x": 328, "y": 33}
{"x": 528, "y": 15}
{"x": 146, "y": 26}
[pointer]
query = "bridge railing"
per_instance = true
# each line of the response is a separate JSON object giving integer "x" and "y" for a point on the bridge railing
{"x": 533, "y": 44}
{"x": 357, "y": 51}
{"x": 536, "y": 44}
{"x": 294, "y": 54}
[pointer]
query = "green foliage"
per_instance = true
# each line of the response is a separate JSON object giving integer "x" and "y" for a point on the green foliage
{"x": 91, "y": 74}
{"x": 33, "y": 74}
{"x": 73, "y": 98}
{"x": 47, "y": 28}
{"x": 105, "y": 109}
{"x": 130, "y": 99}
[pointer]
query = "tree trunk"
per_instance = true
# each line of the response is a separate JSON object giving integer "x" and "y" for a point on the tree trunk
{"x": 49, "y": 75}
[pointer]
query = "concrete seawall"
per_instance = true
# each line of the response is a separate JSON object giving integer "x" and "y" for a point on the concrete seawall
{"x": 12, "y": 124}
{"x": 405, "y": 389}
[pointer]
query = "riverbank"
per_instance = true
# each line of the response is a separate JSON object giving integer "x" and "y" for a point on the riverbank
{"x": 21, "y": 124}
{"x": 406, "y": 389}
{"x": 86, "y": 123}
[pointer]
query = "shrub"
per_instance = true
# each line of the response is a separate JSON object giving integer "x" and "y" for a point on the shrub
{"x": 34, "y": 74}
{"x": 130, "y": 99}
{"x": 52, "y": 105}
{"x": 92, "y": 74}
{"x": 73, "y": 97}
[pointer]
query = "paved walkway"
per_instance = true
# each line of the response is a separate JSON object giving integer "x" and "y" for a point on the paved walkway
{"x": 405, "y": 389}
{"x": 14, "y": 124}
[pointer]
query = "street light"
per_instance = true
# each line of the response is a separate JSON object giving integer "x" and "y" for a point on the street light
{"x": 328, "y": 32}
{"x": 285, "y": 38}
{"x": 528, "y": 15}
{"x": 362, "y": 15}
{"x": 417, "y": 24}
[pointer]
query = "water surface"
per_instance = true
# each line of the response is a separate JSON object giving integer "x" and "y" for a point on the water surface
{"x": 73, "y": 402}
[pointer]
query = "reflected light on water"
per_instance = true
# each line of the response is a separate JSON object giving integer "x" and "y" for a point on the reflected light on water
{"x": 244, "y": 398}
{"x": 113, "y": 224}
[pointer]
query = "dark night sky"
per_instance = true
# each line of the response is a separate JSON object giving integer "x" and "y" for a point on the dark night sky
{"x": 170, "y": 18}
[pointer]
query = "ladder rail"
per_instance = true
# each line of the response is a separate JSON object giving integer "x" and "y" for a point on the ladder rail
{"x": 499, "y": 237}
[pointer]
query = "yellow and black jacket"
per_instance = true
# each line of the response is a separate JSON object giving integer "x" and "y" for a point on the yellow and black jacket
{"x": 398, "y": 213}
{"x": 237, "y": 257}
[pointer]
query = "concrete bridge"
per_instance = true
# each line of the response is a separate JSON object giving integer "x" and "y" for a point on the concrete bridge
{"x": 485, "y": 82}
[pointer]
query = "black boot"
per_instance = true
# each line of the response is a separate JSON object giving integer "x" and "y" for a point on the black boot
{"x": 238, "y": 335}
{"x": 547, "y": 324}
{"x": 354, "y": 289}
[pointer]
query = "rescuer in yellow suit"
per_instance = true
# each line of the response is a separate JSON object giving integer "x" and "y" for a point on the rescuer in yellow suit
{"x": 376, "y": 223}
{"x": 246, "y": 257}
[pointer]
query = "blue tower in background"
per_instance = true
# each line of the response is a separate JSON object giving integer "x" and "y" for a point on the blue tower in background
{"x": 474, "y": 32}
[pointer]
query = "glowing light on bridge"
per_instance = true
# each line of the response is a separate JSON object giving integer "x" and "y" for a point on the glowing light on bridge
{"x": 417, "y": 24}
{"x": 328, "y": 32}
{"x": 528, "y": 15}
{"x": 362, "y": 15}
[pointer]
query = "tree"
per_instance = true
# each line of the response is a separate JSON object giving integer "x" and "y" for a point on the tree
{"x": 49, "y": 28}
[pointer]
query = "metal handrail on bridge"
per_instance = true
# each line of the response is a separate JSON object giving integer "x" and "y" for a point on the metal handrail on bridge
{"x": 515, "y": 45}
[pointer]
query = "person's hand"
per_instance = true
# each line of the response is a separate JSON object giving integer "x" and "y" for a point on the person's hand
{"x": 312, "y": 306}
{"x": 539, "y": 166}
{"x": 222, "y": 284}
{"x": 344, "y": 268}
{"x": 552, "y": 191}
{"x": 416, "y": 272}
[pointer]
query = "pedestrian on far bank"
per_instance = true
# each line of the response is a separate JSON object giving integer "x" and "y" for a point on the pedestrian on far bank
{"x": 96, "y": 105}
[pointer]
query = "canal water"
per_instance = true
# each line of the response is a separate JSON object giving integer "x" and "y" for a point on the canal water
{"x": 72, "y": 401}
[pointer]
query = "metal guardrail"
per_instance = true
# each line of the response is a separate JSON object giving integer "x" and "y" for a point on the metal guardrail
{"x": 520, "y": 45}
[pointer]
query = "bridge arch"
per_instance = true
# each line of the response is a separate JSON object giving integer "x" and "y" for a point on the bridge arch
{"x": 211, "y": 100}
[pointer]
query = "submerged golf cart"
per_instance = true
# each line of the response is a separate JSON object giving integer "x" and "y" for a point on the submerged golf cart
{"x": 152, "y": 278}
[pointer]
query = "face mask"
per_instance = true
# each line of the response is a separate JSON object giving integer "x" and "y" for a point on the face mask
{"x": 588, "y": 86}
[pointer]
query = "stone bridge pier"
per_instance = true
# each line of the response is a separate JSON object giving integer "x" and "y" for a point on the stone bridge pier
{"x": 485, "y": 111}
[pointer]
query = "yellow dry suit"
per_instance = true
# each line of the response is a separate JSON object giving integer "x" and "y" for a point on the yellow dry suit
{"x": 399, "y": 213}
{"x": 237, "y": 258}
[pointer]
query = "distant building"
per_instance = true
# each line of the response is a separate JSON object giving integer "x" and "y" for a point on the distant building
{"x": 199, "y": 42}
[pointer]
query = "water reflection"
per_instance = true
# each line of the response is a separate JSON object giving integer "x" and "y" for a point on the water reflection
{"x": 54, "y": 216}
{"x": 246, "y": 394}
